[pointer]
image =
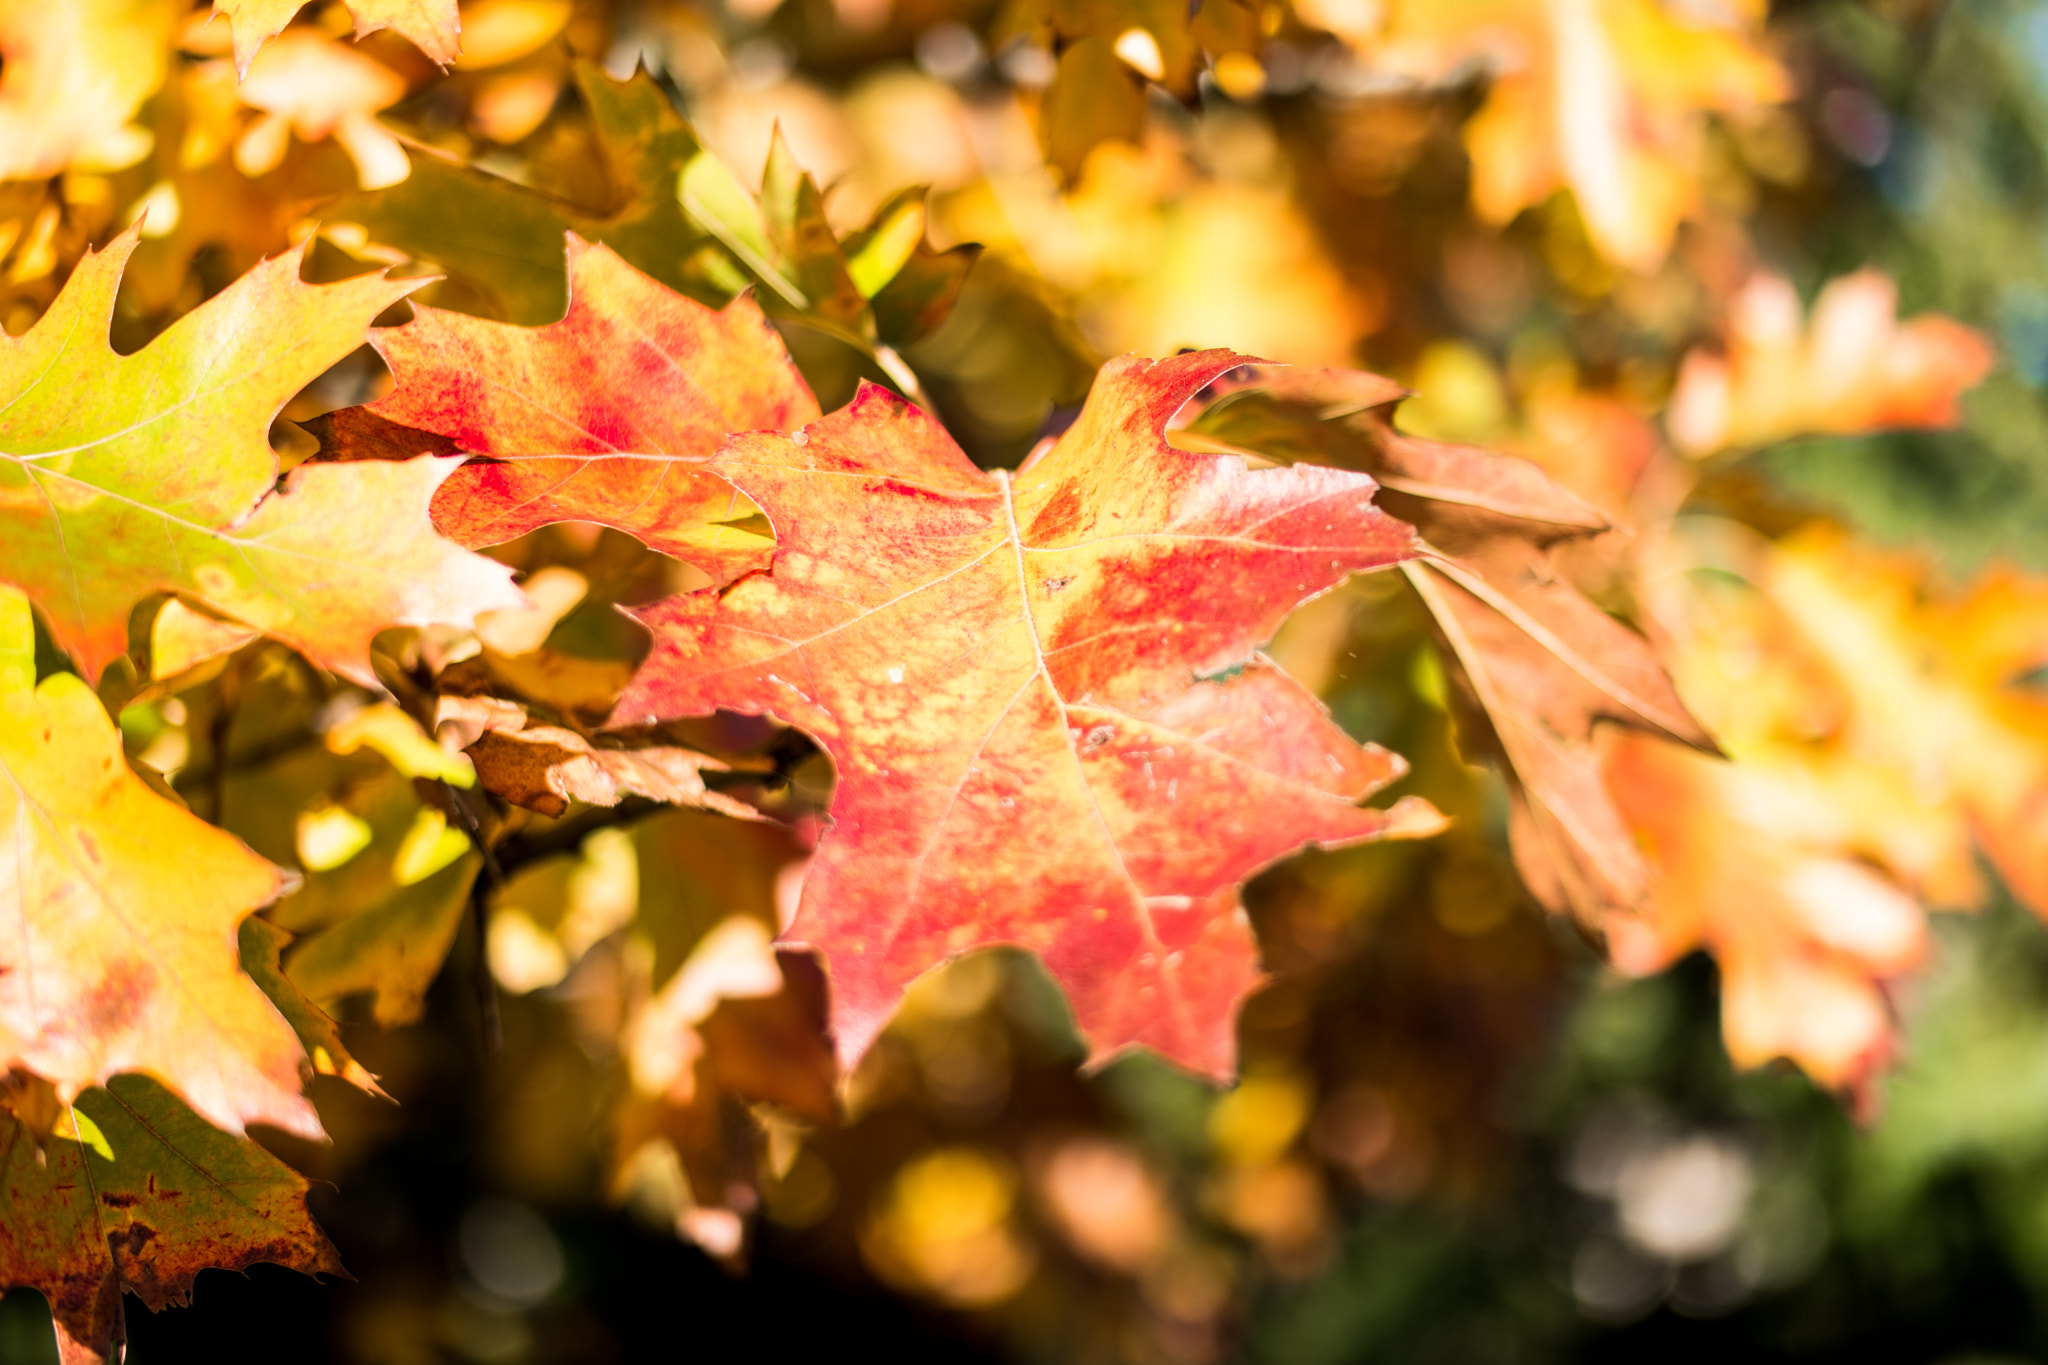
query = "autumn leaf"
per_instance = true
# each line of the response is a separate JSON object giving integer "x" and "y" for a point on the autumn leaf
{"x": 1042, "y": 698}
{"x": 1537, "y": 665}
{"x": 379, "y": 921}
{"x": 878, "y": 289}
{"x": 544, "y": 767}
{"x": 433, "y": 26}
{"x": 1806, "y": 939}
{"x": 1879, "y": 744}
{"x": 181, "y": 639}
{"x": 262, "y": 946}
{"x": 679, "y": 214}
{"x": 1606, "y": 97}
{"x": 719, "y": 1015}
{"x": 72, "y": 76}
{"x": 502, "y": 240}
{"x": 608, "y": 415}
{"x": 310, "y": 85}
{"x": 1851, "y": 367}
{"x": 134, "y": 1193}
{"x": 126, "y": 475}
{"x": 385, "y": 875}
{"x": 121, "y": 911}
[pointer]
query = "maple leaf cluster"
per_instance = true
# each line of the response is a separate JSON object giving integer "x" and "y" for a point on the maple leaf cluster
{"x": 458, "y": 537}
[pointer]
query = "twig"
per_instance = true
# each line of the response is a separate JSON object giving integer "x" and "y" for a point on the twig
{"x": 494, "y": 881}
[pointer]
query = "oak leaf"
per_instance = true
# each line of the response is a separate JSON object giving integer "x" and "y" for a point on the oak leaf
{"x": 126, "y": 475}
{"x": 675, "y": 211}
{"x": 262, "y": 947}
{"x": 609, "y": 415}
{"x": 1852, "y": 366}
{"x": 1536, "y": 665}
{"x": 181, "y": 639}
{"x": 135, "y": 1193}
{"x": 432, "y": 26}
{"x": 1042, "y": 697}
{"x": 121, "y": 911}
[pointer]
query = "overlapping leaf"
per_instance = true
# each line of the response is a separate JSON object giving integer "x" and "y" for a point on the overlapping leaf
{"x": 544, "y": 767}
{"x": 609, "y": 415}
{"x": 135, "y": 1194}
{"x": 680, "y": 215}
{"x": 375, "y": 916}
{"x": 120, "y": 911}
{"x": 1042, "y": 697}
{"x": 1538, "y": 665}
{"x": 501, "y": 239}
{"x": 126, "y": 475}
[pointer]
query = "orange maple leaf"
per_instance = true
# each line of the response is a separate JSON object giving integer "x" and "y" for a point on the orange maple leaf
{"x": 1878, "y": 743}
{"x": 1042, "y": 697}
{"x": 120, "y": 911}
{"x": 1852, "y": 367}
{"x": 609, "y": 415}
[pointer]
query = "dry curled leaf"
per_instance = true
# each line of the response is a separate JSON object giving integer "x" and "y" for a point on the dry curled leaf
{"x": 544, "y": 767}
{"x": 1536, "y": 665}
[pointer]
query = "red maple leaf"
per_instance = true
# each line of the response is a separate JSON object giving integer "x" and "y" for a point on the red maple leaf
{"x": 1043, "y": 698}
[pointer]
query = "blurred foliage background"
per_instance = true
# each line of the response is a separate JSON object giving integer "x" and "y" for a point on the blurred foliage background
{"x": 1460, "y": 1135}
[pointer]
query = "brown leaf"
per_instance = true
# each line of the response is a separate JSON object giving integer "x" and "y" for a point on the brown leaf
{"x": 1535, "y": 664}
{"x": 547, "y": 767}
{"x": 135, "y": 1193}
